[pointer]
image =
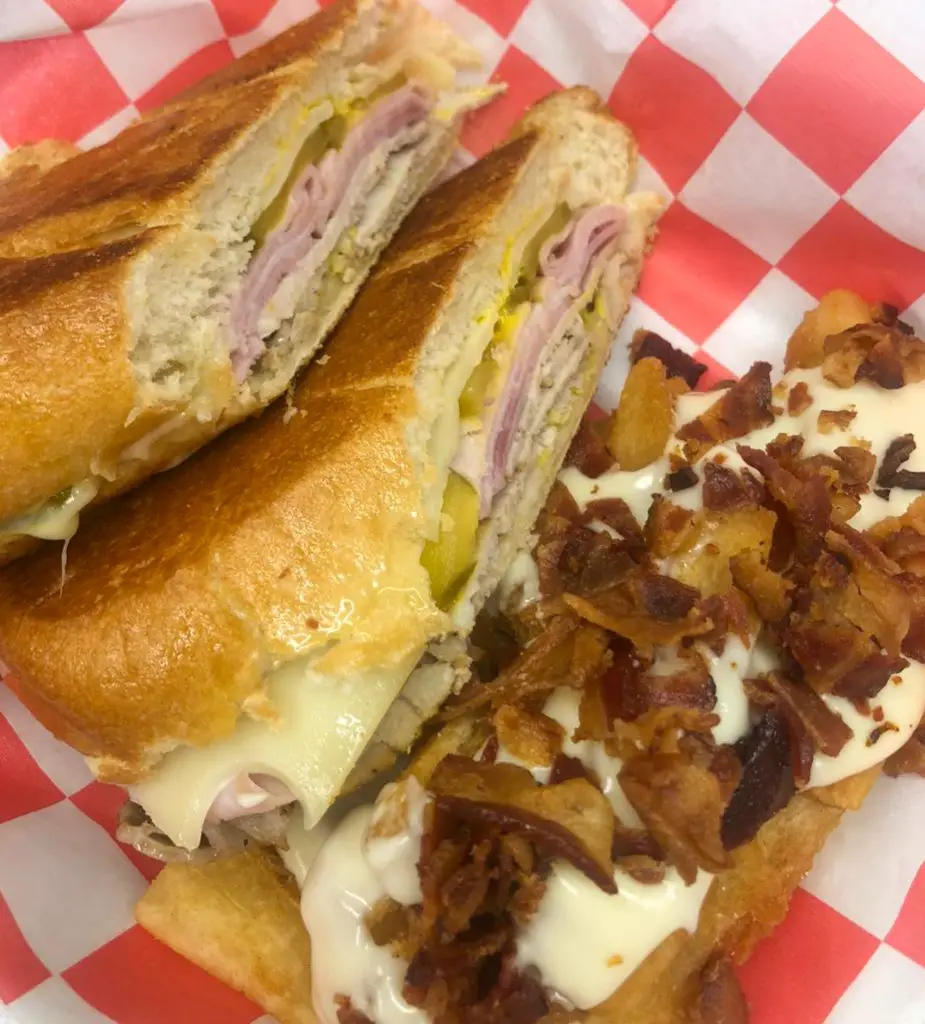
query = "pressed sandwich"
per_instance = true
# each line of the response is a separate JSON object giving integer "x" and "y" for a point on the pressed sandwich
{"x": 160, "y": 287}
{"x": 272, "y": 620}
{"x": 725, "y": 645}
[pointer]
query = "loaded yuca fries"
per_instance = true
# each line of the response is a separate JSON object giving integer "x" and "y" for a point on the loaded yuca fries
{"x": 714, "y": 648}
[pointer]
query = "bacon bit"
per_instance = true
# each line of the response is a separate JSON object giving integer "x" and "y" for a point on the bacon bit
{"x": 825, "y": 651}
{"x": 572, "y": 820}
{"x": 682, "y": 805}
{"x": 720, "y": 999}
{"x": 744, "y": 407}
{"x": 769, "y": 592}
{"x": 644, "y": 869}
{"x": 648, "y": 344}
{"x": 588, "y": 452}
{"x": 347, "y": 1013}
{"x": 725, "y": 490}
{"x": 869, "y": 678}
{"x": 534, "y": 739}
{"x": 566, "y": 654}
{"x": 891, "y": 475}
{"x": 879, "y": 731}
{"x": 837, "y": 311}
{"x": 830, "y": 420}
{"x": 885, "y": 608}
{"x": 807, "y": 502}
{"x": 767, "y": 782}
{"x": 855, "y": 467}
{"x": 914, "y": 641}
{"x": 799, "y": 399}
{"x": 729, "y": 614}
{"x": 565, "y": 768}
{"x": 614, "y": 610}
{"x": 615, "y": 513}
{"x": 681, "y": 479}
{"x": 662, "y": 597}
{"x": 634, "y": 842}
{"x": 827, "y": 730}
{"x": 670, "y": 528}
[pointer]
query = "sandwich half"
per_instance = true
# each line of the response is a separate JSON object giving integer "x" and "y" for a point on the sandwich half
{"x": 277, "y": 616}
{"x": 160, "y": 287}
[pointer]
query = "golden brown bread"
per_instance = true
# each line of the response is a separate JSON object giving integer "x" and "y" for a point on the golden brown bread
{"x": 152, "y": 172}
{"x": 259, "y": 539}
{"x": 202, "y": 911}
{"x": 64, "y": 329}
{"x": 34, "y": 158}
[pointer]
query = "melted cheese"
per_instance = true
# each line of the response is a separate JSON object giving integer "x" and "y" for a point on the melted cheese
{"x": 56, "y": 520}
{"x": 586, "y": 943}
{"x": 324, "y": 721}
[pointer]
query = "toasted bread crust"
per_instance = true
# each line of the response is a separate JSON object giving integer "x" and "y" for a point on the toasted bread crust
{"x": 65, "y": 368}
{"x": 242, "y": 561}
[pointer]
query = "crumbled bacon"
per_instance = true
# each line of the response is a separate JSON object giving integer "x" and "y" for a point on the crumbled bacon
{"x": 805, "y": 708}
{"x": 669, "y": 528}
{"x": 742, "y": 408}
{"x": 616, "y": 611}
{"x": 869, "y": 678}
{"x": 588, "y": 452}
{"x": 682, "y": 804}
{"x": 767, "y": 782}
{"x": 681, "y": 479}
{"x": 724, "y": 489}
{"x": 807, "y": 502}
{"x": 769, "y": 591}
{"x": 892, "y": 474}
{"x": 615, "y": 513}
{"x": 799, "y": 399}
{"x": 572, "y": 820}
{"x": 533, "y": 739}
{"x": 565, "y": 654}
{"x": 648, "y": 344}
{"x": 830, "y": 420}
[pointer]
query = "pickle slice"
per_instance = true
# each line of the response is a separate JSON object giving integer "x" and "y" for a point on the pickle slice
{"x": 313, "y": 149}
{"x": 451, "y": 557}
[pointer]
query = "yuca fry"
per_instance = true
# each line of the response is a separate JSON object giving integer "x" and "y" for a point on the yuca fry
{"x": 238, "y": 917}
{"x": 644, "y": 419}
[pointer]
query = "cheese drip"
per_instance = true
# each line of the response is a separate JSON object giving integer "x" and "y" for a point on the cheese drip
{"x": 324, "y": 722}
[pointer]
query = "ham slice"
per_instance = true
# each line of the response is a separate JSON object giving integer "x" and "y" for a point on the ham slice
{"x": 248, "y": 794}
{"x": 568, "y": 263}
{"x": 313, "y": 203}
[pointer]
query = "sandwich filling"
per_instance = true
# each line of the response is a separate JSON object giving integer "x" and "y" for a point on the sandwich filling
{"x": 539, "y": 344}
{"x": 739, "y": 620}
{"x": 300, "y": 228}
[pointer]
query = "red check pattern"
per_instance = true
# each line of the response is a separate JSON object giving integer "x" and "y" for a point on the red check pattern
{"x": 789, "y": 138}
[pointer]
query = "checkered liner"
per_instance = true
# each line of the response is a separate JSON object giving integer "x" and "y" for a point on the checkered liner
{"x": 791, "y": 137}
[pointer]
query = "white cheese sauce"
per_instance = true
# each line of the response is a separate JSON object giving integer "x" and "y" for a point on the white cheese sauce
{"x": 339, "y": 891}
{"x": 394, "y": 858}
{"x": 586, "y": 943}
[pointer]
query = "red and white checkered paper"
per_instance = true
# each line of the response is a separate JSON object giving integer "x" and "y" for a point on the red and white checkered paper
{"x": 790, "y": 136}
